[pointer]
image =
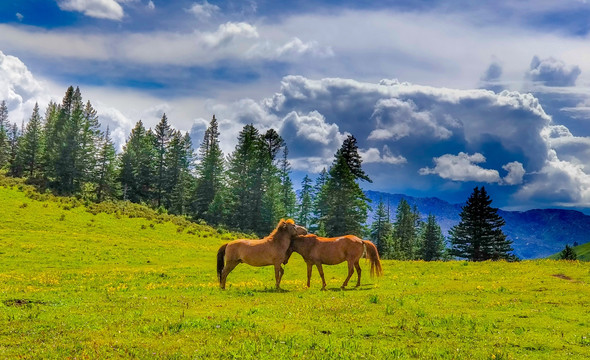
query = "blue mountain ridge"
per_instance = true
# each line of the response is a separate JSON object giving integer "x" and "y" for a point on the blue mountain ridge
{"x": 535, "y": 233}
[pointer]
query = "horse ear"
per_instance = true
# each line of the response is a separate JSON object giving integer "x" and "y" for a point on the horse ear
{"x": 290, "y": 221}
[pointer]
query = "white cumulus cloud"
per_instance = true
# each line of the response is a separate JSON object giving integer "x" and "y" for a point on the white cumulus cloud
{"x": 102, "y": 9}
{"x": 203, "y": 10}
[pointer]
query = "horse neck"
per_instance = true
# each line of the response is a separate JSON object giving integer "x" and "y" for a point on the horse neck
{"x": 281, "y": 238}
{"x": 303, "y": 244}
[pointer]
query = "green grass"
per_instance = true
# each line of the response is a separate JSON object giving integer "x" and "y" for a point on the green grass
{"x": 78, "y": 285}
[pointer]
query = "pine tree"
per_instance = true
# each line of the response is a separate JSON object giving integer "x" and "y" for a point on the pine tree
{"x": 51, "y": 142}
{"x": 349, "y": 151}
{"x": 106, "y": 173}
{"x": 163, "y": 133}
{"x": 319, "y": 203}
{"x": 65, "y": 137}
{"x": 273, "y": 206}
{"x": 288, "y": 197}
{"x": 138, "y": 165}
{"x": 209, "y": 175}
{"x": 568, "y": 253}
{"x": 405, "y": 231}
{"x": 346, "y": 204}
{"x": 90, "y": 139}
{"x": 4, "y": 129}
{"x": 382, "y": 231}
{"x": 304, "y": 215}
{"x": 178, "y": 180}
{"x": 433, "y": 241}
{"x": 31, "y": 150}
{"x": 14, "y": 143}
{"x": 479, "y": 236}
{"x": 245, "y": 181}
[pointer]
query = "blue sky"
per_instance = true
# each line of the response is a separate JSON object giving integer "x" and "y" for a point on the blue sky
{"x": 441, "y": 96}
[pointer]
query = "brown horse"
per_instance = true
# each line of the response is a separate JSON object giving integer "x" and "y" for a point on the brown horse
{"x": 317, "y": 250}
{"x": 272, "y": 250}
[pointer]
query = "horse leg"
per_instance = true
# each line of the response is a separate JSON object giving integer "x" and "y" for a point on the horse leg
{"x": 358, "y": 271}
{"x": 321, "y": 271}
{"x": 350, "y": 272}
{"x": 226, "y": 270}
{"x": 282, "y": 272}
{"x": 278, "y": 274}
{"x": 309, "y": 268}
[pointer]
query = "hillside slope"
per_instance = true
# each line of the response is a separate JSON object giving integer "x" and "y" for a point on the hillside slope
{"x": 78, "y": 285}
{"x": 535, "y": 233}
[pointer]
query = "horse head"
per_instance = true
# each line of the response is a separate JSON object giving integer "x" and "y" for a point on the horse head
{"x": 293, "y": 229}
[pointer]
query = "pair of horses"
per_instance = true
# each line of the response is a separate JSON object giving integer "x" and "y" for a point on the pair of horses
{"x": 289, "y": 237}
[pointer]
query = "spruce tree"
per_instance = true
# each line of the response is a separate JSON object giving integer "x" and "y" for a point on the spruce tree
{"x": 106, "y": 172}
{"x": 433, "y": 241}
{"x": 90, "y": 139}
{"x": 305, "y": 212}
{"x": 178, "y": 180}
{"x": 382, "y": 230}
{"x": 346, "y": 204}
{"x": 162, "y": 133}
{"x": 319, "y": 203}
{"x": 4, "y": 129}
{"x": 288, "y": 197}
{"x": 51, "y": 142}
{"x": 32, "y": 146}
{"x": 568, "y": 253}
{"x": 138, "y": 165}
{"x": 273, "y": 206}
{"x": 349, "y": 151}
{"x": 245, "y": 181}
{"x": 405, "y": 231}
{"x": 209, "y": 175}
{"x": 478, "y": 236}
{"x": 14, "y": 143}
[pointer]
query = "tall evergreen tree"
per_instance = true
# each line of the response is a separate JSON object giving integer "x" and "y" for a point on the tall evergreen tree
{"x": 138, "y": 165}
{"x": 51, "y": 142}
{"x": 304, "y": 216}
{"x": 406, "y": 227}
{"x": 433, "y": 241}
{"x": 479, "y": 236}
{"x": 382, "y": 231}
{"x": 106, "y": 171}
{"x": 163, "y": 133}
{"x": 319, "y": 203}
{"x": 273, "y": 207}
{"x": 178, "y": 164}
{"x": 90, "y": 139}
{"x": 209, "y": 175}
{"x": 346, "y": 204}
{"x": 349, "y": 151}
{"x": 4, "y": 129}
{"x": 32, "y": 147}
{"x": 14, "y": 143}
{"x": 245, "y": 180}
{"x": 288, "y": 197}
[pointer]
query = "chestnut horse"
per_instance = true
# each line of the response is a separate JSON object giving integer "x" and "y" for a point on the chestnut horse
{"x": 272, "y": 250}
{"x": 317, "y": 250}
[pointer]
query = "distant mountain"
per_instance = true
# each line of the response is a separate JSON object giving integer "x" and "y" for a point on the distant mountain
{"x": 536, "y": 233}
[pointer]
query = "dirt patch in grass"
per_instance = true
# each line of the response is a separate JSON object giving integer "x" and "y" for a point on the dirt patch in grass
{"x": 21, "y": 302}
{"x": 562, "y": 276}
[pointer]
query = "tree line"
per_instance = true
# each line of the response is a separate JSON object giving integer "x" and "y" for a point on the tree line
{"x": 249, "y": 190}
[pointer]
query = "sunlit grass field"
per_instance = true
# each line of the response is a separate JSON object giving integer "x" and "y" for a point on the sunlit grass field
{"x": 78, "y": 285}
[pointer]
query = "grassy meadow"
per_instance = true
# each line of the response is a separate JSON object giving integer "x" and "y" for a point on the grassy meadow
{"x": 86, "y": 284}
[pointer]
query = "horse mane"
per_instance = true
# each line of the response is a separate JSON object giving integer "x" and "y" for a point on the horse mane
{"x": 280, "y": 227}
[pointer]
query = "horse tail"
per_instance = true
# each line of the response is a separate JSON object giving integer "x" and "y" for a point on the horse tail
{"x": 373, "y": 256}
{"x": 220, "y": 260}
